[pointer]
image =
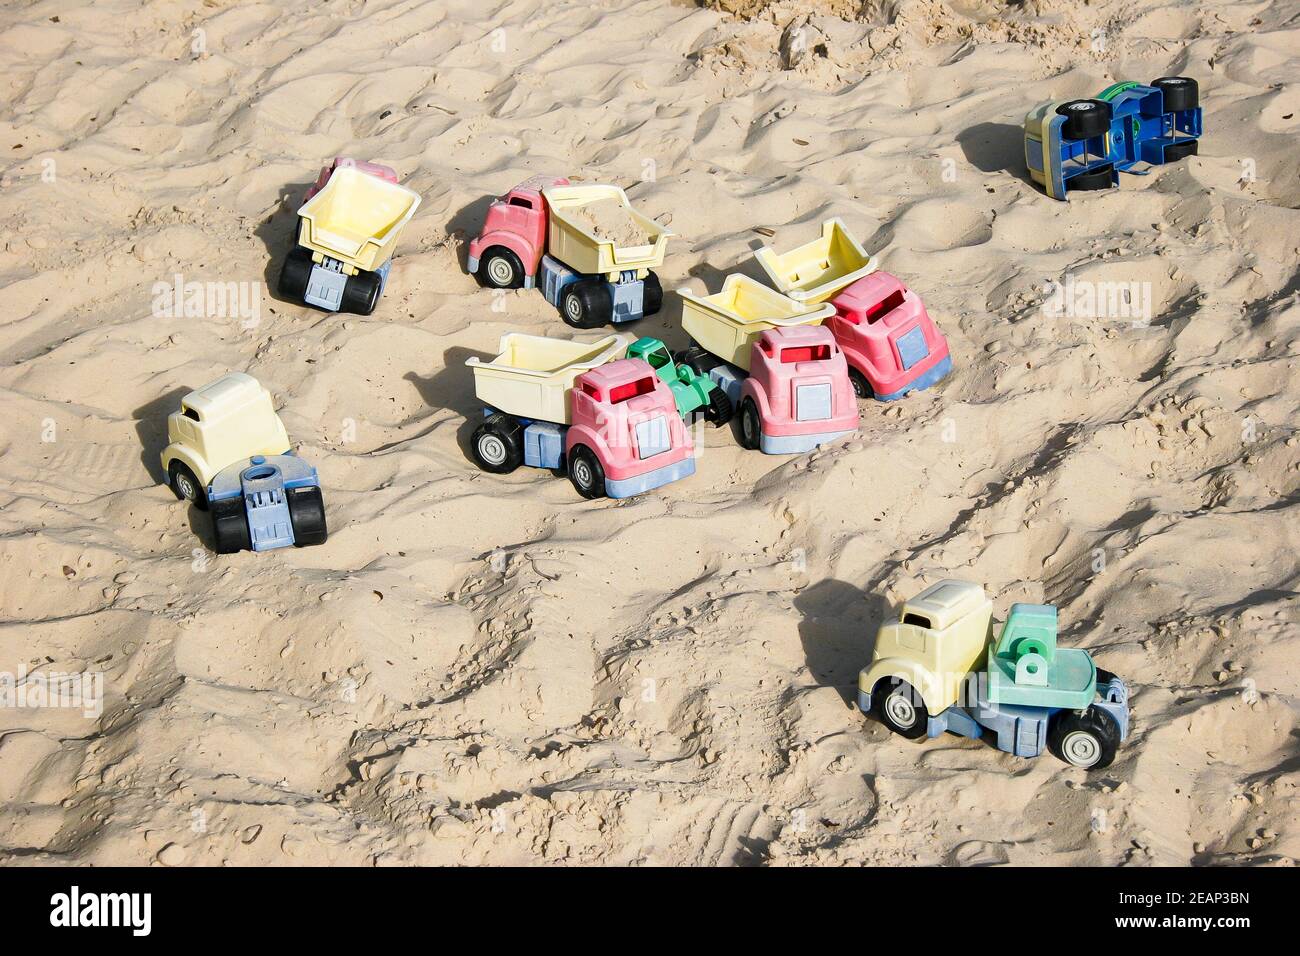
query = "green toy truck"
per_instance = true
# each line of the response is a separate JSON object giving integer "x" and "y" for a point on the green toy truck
{"x": 691, "y": 391}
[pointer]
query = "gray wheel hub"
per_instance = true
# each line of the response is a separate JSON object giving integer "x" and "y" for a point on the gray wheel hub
{"x": 492, "y": 449}
{"x": 900, "y": 709}
{"x": 500, "y": 270}
{"x": 1081, "y": 749}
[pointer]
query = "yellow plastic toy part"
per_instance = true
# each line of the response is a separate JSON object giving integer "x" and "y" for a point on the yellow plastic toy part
{"x": 575, "y": 245}
{"x": 532, "y": 374}
{"x": 222, "y": 422}
{"x": 356, "y": 218}
{"x": 941, "y": 635}
{"x": 817, "y": 270}
{"x": 727, "y": 322}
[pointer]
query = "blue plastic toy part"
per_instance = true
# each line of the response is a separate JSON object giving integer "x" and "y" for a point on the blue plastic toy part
{"x": 627, "y": 487}
{"x": 796, "y": 444}
{"x": 544, "y": 445}
{"x": 627, "y": 294}
{"x": 1016, "y": 729}
{"x": 1141, "y": 131}
{"x": 729, "y": 380}
{"x": 555, "y": 276}
{"x": 629, "y": 298}
{"x": 264, "y": 483}
{"x": 921, "y": 382}
{"x": 326, "y": 285}
{"x": 912, "y": 347}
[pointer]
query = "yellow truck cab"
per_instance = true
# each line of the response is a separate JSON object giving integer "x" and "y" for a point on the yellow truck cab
{"x": 223, "y": 422}
{"x": 924, "y": 657}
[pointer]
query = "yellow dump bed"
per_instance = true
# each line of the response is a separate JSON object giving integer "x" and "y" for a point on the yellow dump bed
{"x": 579, "y": 247}
{"x": 727, "y": 322}
{"x": 532, "y": 375}
{"x": 817, "y": 270}
{"x": 356, "y": 218}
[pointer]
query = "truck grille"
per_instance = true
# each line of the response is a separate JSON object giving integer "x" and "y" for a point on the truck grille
{"x": 652, "y": 437}
{"x": 812, "y": 403}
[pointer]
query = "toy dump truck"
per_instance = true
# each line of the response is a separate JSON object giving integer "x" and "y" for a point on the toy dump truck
{"x": 891, "y": 344}
{"x": 779, "y": 368}
{"x": 228, "y": 453}
{"x": 691, "y": 391}
{"x": 591, "y": 252}
{"x": 610, "y": 422}
{"x": 347, "y": 231}
{"x": 939, "y": 669}
{"x": 1086, "y": 144}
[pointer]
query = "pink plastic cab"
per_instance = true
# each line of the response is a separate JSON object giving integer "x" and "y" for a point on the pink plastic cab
{"x": 514, "y": 232}
{"x": 625, "y": 421}
{"x": 370, "y": 169}
{"x": 798, "y": 394}
{"x": 890, "y": 342}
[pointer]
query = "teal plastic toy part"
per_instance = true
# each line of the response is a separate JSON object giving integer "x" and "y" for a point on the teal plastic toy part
{"x": 690, "y": 391}
{"x": 1025, "y": 666}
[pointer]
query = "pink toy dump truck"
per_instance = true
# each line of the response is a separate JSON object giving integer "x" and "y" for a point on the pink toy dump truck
{"x": 589, "y": 250}
{"x": 780, "y": 368}
{"x": 888, "y": 338}
{"x": 610, "y": 422}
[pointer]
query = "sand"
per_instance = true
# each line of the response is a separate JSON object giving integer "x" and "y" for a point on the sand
{"x": 484, "y": 669}
{"x": 610, "y": 221}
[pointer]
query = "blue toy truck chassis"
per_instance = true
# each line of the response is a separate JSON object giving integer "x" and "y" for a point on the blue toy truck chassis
{"x": 627, "y": 294}
{"x": 263, "y": 483}
{"x": 328, "y": 280}
{"x": 1017, "y": 730}
{"x": 1140, "y": 132}
{"x": 544, "y": 448}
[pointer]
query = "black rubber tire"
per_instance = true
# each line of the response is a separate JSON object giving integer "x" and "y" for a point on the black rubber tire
{"x": 295, "y": 273}
{"x": 230, "y": 532}
{"x": 1096, "y": 726}
{"x": 509, "y": 270}
{"x": 587, "y": 304}
{"x": 889, "y": 716}
{"x": 586, "y": 472}
{"x": 181, "y": 479}
{"x": 307, "y": 515}
{"x": 749, "y": 431}
{"x": 498, "y": 444}
{"x": 861, "y": 387}
{"x": 361, "y": 293}
{"x": 719, "y": 410}
{"x": 1181, "y": 150}
{"x": 1099, "y": 178}
{"x": 1084, "y": 119}
{"x": 1179, "y": 93}
{"x": 652, "y": 296}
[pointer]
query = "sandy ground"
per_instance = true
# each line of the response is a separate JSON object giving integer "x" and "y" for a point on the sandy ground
{"x": 487, "y": 669}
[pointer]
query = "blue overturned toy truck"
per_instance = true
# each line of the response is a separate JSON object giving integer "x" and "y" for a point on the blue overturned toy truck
{"x": 1085, "y": 144}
